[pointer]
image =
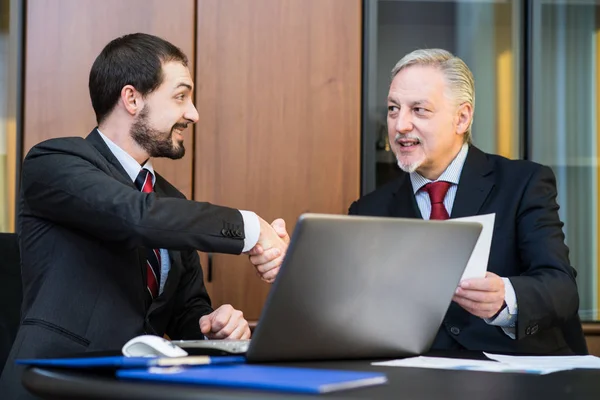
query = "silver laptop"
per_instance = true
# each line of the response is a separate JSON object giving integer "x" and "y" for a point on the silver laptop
{"x": 355, "y": 287}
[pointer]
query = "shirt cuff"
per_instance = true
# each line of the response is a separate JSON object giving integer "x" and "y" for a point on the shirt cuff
{"x": 251, "y": 229}
{"x": 507, "y": 318}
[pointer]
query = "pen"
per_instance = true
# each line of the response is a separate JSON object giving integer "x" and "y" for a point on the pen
{"x": 196, "y": 360}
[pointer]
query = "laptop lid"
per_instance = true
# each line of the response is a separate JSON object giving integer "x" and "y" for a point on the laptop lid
{"x": 355, "y": 287}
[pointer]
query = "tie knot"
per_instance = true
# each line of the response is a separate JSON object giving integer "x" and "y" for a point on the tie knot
{"x": 437, "y": 191}
{"x": 144, "y": 181}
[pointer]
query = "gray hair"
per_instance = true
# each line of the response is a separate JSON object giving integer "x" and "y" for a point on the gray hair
{"x": 458, "y": 75}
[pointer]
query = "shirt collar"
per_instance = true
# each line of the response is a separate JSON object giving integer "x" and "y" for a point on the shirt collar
{"x": 127, "y": 162}
{"x": 451, "y": 174}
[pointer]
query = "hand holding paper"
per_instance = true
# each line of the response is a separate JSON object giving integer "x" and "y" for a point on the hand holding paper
{"x": 482, "y": 297}
{"x": 481, "y": 293}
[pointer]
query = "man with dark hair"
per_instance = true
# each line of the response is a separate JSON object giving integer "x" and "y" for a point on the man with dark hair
{"x": 109, "y": 247}
{"x": 135, "y": 60}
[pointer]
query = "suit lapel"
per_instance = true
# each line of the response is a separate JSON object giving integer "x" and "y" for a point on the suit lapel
{"x": 476, "y": 183}
{"x": 121, "y": 175}
{"x": 403, "y": 204}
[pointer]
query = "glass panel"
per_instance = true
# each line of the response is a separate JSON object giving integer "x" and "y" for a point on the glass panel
{"x": 485, "y": 34}
{"x": 565, "y": 88}
{"x": 8, "y": 107}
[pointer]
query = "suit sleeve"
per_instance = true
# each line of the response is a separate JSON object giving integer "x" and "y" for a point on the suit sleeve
{"x": 192, "y": 301}
{"x": 74, "y": 191}
{"x": 353, "y": 210}
{"x": 546, "y": 290}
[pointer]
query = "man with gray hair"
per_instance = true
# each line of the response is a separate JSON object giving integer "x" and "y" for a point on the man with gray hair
{"x": 529, "y": 292}
{"x": 528, "y": 300}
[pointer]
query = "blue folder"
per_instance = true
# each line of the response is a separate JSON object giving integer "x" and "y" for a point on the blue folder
{"x": 129, "y": 362}
{"x": 246, "y": 376}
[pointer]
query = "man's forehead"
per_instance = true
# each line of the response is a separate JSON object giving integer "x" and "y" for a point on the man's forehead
{"x": 417, "y": 83}
{"x": 176, "y": 74}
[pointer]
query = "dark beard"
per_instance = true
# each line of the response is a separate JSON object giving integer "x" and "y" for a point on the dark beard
{"x": 155, "y": 142}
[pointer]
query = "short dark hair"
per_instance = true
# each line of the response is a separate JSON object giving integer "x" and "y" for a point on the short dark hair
{"x": 135, "y": 59}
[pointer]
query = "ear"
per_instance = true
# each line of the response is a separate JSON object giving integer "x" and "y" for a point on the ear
{"x": 132, "y": 100}
{"x": 464, "y": 116}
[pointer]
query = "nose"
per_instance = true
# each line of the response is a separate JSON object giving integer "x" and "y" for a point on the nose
{"x": 191, "y": 114}
{"x": 403, "y": 123}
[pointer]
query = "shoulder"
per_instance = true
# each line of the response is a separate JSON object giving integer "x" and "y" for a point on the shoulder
{"x": 381, "y": 195}
{"x": 515, "y": 170}
{"x": 62, "y": 146}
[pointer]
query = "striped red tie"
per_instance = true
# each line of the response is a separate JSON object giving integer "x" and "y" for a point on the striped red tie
{"x": 144, "y": 183}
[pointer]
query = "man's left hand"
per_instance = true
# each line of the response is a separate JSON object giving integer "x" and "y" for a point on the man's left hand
{"x": 482, "y": 297}
{"x": 225, "y": 323}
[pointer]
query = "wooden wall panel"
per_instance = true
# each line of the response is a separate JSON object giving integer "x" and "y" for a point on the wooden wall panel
{"x": 61, "y": 42}
{"x": 592, "y": 336}
{"x": 278, "y": 91}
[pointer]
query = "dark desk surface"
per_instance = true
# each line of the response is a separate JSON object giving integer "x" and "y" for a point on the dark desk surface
{"x": 409, "y": 383}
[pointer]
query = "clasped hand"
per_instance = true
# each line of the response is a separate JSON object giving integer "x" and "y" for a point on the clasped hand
{"x": 269, "y": 252}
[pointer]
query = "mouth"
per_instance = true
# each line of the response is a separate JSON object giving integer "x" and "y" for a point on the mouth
{"x": 178, "y": 129}
{"x": 408, "y": 144}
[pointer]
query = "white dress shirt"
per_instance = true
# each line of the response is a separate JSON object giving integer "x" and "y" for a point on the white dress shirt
{"x": 131, "y": 166}
{"x": 507, "y": 318}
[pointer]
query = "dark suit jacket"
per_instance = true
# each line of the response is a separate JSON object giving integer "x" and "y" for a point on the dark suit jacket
{"x": 83, "y": 229}
{"x": 527, "y": 247}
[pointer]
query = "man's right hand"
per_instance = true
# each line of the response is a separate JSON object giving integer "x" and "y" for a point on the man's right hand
{"x": 225, "y": 323}
{"x": 269, "y": 252}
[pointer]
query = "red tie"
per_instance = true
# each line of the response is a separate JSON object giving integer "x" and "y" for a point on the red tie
{"x": 144, "y": 183}
{"x": 437, "y": 191}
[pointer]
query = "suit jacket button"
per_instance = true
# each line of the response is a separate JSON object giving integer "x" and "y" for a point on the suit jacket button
{"x": 534, "y": 329}
{"x": 224, "y": 232}
{"x": 239, "y": 233}
{"x": 455, "y": 330}
{"x": 528, "y": 330}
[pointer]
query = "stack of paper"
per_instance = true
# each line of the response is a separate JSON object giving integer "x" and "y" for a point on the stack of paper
{"x": 555, "y": 363}
{"x": 530, "y": 365}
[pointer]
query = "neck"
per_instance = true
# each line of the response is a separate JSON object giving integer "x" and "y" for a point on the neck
{"x": 118, "y": 132}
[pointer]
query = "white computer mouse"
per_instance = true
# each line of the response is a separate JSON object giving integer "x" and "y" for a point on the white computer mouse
{"x": 152, "y": 346}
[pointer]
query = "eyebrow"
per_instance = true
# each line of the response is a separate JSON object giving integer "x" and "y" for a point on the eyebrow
{"x": 419, "y": 103}
{"x": 183, "y": 84}
{"x": 412, "y": 103}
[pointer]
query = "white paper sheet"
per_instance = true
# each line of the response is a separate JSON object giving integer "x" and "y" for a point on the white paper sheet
{"x": 436, "y": 363}
{"x": 564, "y": 362}
{"x": 470, "y": 365}
{"x": 477, "y": 265}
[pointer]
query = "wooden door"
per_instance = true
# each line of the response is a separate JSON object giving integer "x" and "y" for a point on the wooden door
{"x": 62, "y": 40}
{"x": 278, "y": 92}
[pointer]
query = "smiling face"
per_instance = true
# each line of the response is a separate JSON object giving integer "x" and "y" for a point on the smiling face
{"x": 168, "y": 110}
{"x": 425, "y": 125}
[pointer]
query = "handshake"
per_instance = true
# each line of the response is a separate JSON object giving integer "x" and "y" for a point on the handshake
{"x": 269, "y": 252}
